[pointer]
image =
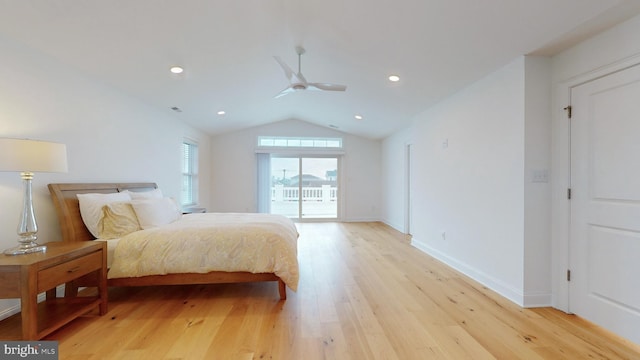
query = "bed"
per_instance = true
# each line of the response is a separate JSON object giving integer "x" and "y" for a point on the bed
{"x": 73, "y": 228}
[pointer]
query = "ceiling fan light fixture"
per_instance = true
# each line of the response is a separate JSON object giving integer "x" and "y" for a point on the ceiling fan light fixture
{"x": 221, "y": 112}
{"x": 176, "y": 69}
{"x": 394, "y": 78}
{"x": 358, "y": 117}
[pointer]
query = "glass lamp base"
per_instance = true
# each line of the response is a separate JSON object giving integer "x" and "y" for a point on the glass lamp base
{"x": 27, "y": 248}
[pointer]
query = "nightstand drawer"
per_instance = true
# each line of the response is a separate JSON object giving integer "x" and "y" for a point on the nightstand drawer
{"x": 70, "y": 270}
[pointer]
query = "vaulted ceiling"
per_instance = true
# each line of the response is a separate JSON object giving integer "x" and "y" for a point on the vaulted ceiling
{"x": 436, "y": 47}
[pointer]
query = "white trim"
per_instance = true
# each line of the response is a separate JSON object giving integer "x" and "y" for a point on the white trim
{"x": 492, "y": 283}
{"x": 407, "y": 187}
{"x": 362, "y": 219}
{"x": 301, "y": 151}
{"x": 193, "y": 174}
{"x": 534, "y": 300}
{"x": 12, "y": 310}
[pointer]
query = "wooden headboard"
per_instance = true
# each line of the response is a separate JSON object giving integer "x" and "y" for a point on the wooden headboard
{"x": 68, "y": 210}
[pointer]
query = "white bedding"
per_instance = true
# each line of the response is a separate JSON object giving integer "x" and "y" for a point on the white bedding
{"x": 111, "y": 248}
{"x": 200, "y": 243}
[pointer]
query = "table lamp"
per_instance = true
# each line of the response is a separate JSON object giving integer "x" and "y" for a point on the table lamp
{"x": 27, "y": 157}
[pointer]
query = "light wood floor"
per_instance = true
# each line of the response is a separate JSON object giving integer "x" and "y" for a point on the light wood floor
{"x": 364, "y": 293}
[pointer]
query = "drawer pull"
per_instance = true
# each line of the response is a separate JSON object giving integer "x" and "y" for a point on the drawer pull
{"x": 74, "y": 269}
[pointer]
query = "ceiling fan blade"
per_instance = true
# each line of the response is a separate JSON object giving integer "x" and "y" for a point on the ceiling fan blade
{"x": 327, "y": 87}
{"x": 284, "y": 92}
{"x": 302, "y": 79}
{"x": 294, "y": 78}
{"x": 298, "y": 82}
{"x": 287, "y": 70}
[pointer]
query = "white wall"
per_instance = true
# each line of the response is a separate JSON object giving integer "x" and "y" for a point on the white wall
{"x": 610, "y": 51}
{"x": 517, "y": 243}
{"x": 233, "y": 160}
{"x": 394, "y": 179}
{"x": 537, "y": 187}
{"x": 474, "y": 204}
{"x": 469, "y": 168}
{"x": 110, "y": 137}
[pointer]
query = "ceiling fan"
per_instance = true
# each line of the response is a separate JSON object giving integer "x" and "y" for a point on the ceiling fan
{"x": 297, "y": 80}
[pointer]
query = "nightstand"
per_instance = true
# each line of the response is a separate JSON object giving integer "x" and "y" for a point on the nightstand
{"x": 194, "y": 210}
{"x": 26, "y": 276}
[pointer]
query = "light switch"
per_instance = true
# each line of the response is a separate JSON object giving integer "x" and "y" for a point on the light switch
{"x": 540, "y": 176}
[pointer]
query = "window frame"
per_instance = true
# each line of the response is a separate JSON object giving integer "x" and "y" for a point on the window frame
{"x": 299, "y": 142}
{"x": 190, "y": 155}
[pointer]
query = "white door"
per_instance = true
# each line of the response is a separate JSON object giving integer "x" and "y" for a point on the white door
{"x": 605, "y": 202}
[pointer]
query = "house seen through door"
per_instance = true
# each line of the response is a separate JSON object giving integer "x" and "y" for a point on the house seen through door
{"x": 304, "y": 187}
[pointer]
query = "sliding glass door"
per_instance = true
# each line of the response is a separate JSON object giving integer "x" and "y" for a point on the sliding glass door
{"x": 304, "y": 187}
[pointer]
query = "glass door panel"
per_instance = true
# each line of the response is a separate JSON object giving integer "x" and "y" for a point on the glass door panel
{"x": 304, "y": 188}
{"x": 319, "y": 186}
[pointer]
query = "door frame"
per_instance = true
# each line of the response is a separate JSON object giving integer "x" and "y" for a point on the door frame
{"x": 306, "y": 155}
{"x": 561, "y": 176}
{"x": 408, "y": 147}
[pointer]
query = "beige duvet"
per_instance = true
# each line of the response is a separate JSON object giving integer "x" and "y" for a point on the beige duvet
{"x": 200, "y": 243}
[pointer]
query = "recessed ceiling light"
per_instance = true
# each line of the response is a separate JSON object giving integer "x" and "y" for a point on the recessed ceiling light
{"x": 176, "y": 69}
{"x": 394, "y": 78}
{"x": 358, "y": 117}
{"x": 221, "y": 112}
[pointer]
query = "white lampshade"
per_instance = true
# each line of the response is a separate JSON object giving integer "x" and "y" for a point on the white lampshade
{"x": 32, "y": 156}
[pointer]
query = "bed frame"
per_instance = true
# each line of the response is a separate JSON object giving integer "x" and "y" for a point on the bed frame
{"x": 73, "y": 229}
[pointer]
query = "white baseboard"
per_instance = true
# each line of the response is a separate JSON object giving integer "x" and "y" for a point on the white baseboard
{"x": 505, "y": 290}
{"x": 538, "y": 300}
{"x": 361, "y": 220}
{"x": 12, "y": 310}
{"x": 394, "y": 226}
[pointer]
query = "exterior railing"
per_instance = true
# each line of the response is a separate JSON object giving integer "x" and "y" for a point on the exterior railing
{"x": 324, "y": 193}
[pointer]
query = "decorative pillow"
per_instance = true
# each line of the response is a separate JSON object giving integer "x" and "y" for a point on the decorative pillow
{"x": 152, "y": 194}
{"x": 91, "y": 208}
{"x": 155, "y": 212}
{"x": 118, "y": 219}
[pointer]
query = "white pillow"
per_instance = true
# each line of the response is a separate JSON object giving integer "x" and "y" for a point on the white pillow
{"x": 156, "y": 212}
{"x": 91, "y": 208}
{"x": 152, "y": 194}
{"x": 118, "y": 219}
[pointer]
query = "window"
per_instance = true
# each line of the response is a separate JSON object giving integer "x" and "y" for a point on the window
{"x": 189, "y": 173}
{"x": 299, "y": 142}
